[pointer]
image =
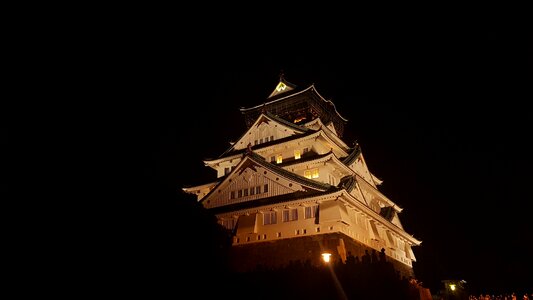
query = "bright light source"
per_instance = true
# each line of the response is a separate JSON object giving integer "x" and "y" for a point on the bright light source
{"x": 326, "y": 257}
{"x": 281, "y": 87}
{"x": 452, "y": 287}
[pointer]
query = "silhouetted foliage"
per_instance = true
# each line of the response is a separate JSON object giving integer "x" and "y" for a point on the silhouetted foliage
{"x": 165, "y": 244}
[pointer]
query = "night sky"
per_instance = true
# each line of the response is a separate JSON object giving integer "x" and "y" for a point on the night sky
{"x": 438, "y": 102}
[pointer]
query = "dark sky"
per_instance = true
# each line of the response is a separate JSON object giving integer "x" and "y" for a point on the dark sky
{"x": 438, "y": 101}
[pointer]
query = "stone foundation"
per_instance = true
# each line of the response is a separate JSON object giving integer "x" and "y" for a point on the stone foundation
{"x": 308, "y": 249}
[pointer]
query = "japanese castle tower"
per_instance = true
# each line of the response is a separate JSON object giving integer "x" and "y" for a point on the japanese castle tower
{"x": 290, "y": 189}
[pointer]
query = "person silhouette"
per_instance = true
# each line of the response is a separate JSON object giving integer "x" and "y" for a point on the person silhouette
{"x": 374, "y": 256}
{"x": 382, "y": 255}
{"x": 366, "y": 258}
{"x": 350, "y": 259}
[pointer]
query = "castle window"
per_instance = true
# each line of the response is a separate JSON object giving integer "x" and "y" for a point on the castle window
{"x": 227, "y": 170}
{"x": 290, "y": 214}
{"x": 265, "y": 190}
{"x": 314, "y": 173}
{"x": 310, "y": 211}
{"x": 229, "y": 223}
{"x": 248, "y": 239}
{"x": 258, "y": 190}
{"x": 271, "y": 137}
{"x": 273, "y": 159}
{"x": 279, "y": 159}
{"x": 239, "y": 193}
{"x": 299, "y": 119}
{"x": 260, "y": 141}
{"x": 270, "y": 218}
{"x": 306, "y": 150}
{"x": 232, "y": 195}
{"x": 318, "y": 229}
{"x": 286, "y": 216}
{"x": 252, "y": 191}
{"x": 279, "y": 234}
{"x": 294, "y": 214}
{"x": 255, "y": 142}
{"x": 245, "y": 192}
{"x": 297, "y": 154}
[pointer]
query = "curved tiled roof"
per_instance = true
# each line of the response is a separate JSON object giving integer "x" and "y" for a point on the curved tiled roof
{"x": 305, "y": 158}
{"x": 286, "y": 123}
{"x": 348, "y": 160}
{"x": 387, "y": 212}
{"x": 267, "y": 144}
{"x": 276, "y": 119}
{"x": 288, "y": 174}
{"x": 269, "y": 201}
{"x": 348, "y": 183}
{"x": 258, "y": 159}
{"x": 291, "y": 93}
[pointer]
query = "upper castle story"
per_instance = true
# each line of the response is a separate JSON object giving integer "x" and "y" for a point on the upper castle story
{"x": 297, "y": 105}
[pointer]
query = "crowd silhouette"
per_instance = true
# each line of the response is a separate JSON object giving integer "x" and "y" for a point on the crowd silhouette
{"x": 371, "y": 277}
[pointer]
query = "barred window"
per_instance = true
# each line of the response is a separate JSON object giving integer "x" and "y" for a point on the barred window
{"x": 229, "y": 223}
{"x": 270, "y": 218}
{"x": 290, "y": 214}
{"x": 310, "y": 211}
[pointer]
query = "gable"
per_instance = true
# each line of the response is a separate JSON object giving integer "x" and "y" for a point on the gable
{"x": 331, "y": 127}
{"x": 316, "y": 124}
{"x": 350, "y": 185}
{"x": 282, "y": 87}
{"x": 265, "y": 129}
{"x": 396, "y": 221}
{"x": 360, "y": 168}
{"x": 252, "y": 180}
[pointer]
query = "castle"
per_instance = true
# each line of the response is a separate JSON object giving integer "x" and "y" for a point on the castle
{"x": 290, "y": 189}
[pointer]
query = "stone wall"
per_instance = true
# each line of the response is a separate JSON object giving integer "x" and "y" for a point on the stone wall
{"x": 307, "y": 249}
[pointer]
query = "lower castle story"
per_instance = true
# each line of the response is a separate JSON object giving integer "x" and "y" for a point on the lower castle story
{"x": 308, "y": 249}
{"x": 324, "y": 226}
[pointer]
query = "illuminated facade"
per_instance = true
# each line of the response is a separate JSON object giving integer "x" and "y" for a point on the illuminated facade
{"x": 289, "y": 188}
